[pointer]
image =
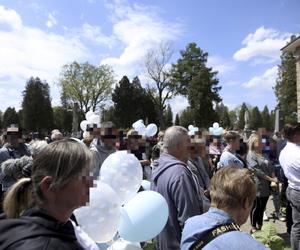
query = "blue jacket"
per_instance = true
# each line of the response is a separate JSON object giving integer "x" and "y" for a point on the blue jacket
{"x": 173, "y": 180}
{"x": 198, "y": 226}
{"x": 227, "y": 158}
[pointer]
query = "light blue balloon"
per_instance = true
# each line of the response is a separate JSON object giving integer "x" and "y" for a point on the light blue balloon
{"x": 143, "y": 217}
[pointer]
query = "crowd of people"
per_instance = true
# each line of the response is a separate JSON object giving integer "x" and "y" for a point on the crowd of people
{"x": 210, "y": 183}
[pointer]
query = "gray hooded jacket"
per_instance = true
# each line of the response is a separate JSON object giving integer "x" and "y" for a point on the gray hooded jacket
{"x": 173, "y": 180}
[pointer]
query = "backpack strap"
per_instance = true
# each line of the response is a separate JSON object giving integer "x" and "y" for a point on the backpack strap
{"x": 214, "y": 233}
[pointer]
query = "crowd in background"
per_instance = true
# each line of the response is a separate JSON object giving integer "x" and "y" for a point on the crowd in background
{"x": 180, "y": 167}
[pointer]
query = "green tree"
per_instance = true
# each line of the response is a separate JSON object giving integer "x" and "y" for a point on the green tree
{"x": 223, "y": 115}
{"x": 177, "y": 120}
{"x": 37, "y": 114}
{"x": 255, "y": 121}
{"x": 198, "y": 82}
{"x": 10, "y": 116}
{"x": 266, "y": 118}
{"x": 186, "y": 117}
{"x": 131, "y": 102}
{"x": 168, "y": 116}
{"x": 62, "y": 118}
{"x": 285, "y": 88}
{"x": 88, "y": 85}
{"x": 156, "y": 62}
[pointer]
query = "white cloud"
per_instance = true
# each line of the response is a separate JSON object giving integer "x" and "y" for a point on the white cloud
{"x": 219, "y": 64}
{"x": 265, "y": 81}
{"x": 51, "y": 22}
{"x": 262, "y": 46}
{"x": 178, "y": 104}
{"x": 95, "y": 34}
{"x": 138, "y": 29}
{"x": 10, "y": 18}
{"x": 27, "y": 51}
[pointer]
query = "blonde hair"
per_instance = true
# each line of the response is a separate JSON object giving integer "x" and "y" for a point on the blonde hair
{"x": 61, "y": 160}
{"x": 22, "y": 193}
{"x": 230, "y": 187}
{"x": 252, "y": 141}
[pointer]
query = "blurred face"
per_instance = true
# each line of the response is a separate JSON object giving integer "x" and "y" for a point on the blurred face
{"x": 236, "y": 144}
{"x": 258, "y": 145}
{"x": 76, "y": 192}
{"x": 109, "y": 143}
{"x": 185, "y": 148}
{"x": 194, "y": 150}
{"x": 133, "y": 143}
{"x": 13, "y": 139}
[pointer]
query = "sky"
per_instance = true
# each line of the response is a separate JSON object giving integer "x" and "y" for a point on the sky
{"x": 242, "y": 38}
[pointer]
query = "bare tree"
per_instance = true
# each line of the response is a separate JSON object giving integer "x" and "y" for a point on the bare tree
{"x": 158, "y": 69}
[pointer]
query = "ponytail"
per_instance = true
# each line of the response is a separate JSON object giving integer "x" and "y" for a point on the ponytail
{"x": 18, "y": 199}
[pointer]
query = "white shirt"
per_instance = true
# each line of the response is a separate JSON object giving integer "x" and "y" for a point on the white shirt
{"x": 290, "y": 162}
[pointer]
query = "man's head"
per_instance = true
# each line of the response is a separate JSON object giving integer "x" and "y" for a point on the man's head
{"x": 108, "y": 135}
{"x": 292, "y": 132}
{"x": 13, "y": 136}
{"x": 177, "y": 142}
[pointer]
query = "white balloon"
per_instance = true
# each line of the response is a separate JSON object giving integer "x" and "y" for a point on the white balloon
{"x": 136, "y": 124}
{"x": 88, "y": 115}
{"x": 215, "y": 125}
{"x": 151, "y": 129}
{"x": 191, "y": 132}
{"x": 141, "y": 128}
{"x": 83, "y": 125}
{"x": 123, "y": 172}
{"x": 191, "y": 127}
{"x": 218, "y": 131}
{"x": 95, "y": 119}
{"x": 100, "y": 219}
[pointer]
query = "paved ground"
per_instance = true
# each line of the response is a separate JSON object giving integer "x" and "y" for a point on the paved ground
{"x": 280, "y": 226}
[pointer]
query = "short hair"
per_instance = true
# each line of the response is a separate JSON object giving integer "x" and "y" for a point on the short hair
{"x": 231, "y": 186}
{"x": 290, "y": 130}
{"x": 173, "y": 137}
{"x": 231, "y": 135}
{"x": 57, "y": 135}
{"x": 36, "y": 147}
{"x": 251, "y": 141}
{"x": 62, "y": 160}
{"x": 13, "y": 167}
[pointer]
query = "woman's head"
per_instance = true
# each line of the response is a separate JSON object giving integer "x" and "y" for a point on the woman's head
{"x": 61, "y": 161}
{"x": 60, "y": 173}
{"x": 254, "y": 143}
{"x": 232, "y": 189}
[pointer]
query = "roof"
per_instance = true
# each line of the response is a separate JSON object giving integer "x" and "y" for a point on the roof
{"x": 292, "y": 46}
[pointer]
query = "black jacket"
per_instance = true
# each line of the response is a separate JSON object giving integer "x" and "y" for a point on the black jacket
{"x": 37, "y": 230}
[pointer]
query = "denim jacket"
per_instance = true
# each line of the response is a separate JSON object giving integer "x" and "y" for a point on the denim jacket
{"x": 197, "y": 226}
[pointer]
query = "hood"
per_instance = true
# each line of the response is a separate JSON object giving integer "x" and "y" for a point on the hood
{"x": 33, "y": 223}
{"x": 164, "y": 162}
